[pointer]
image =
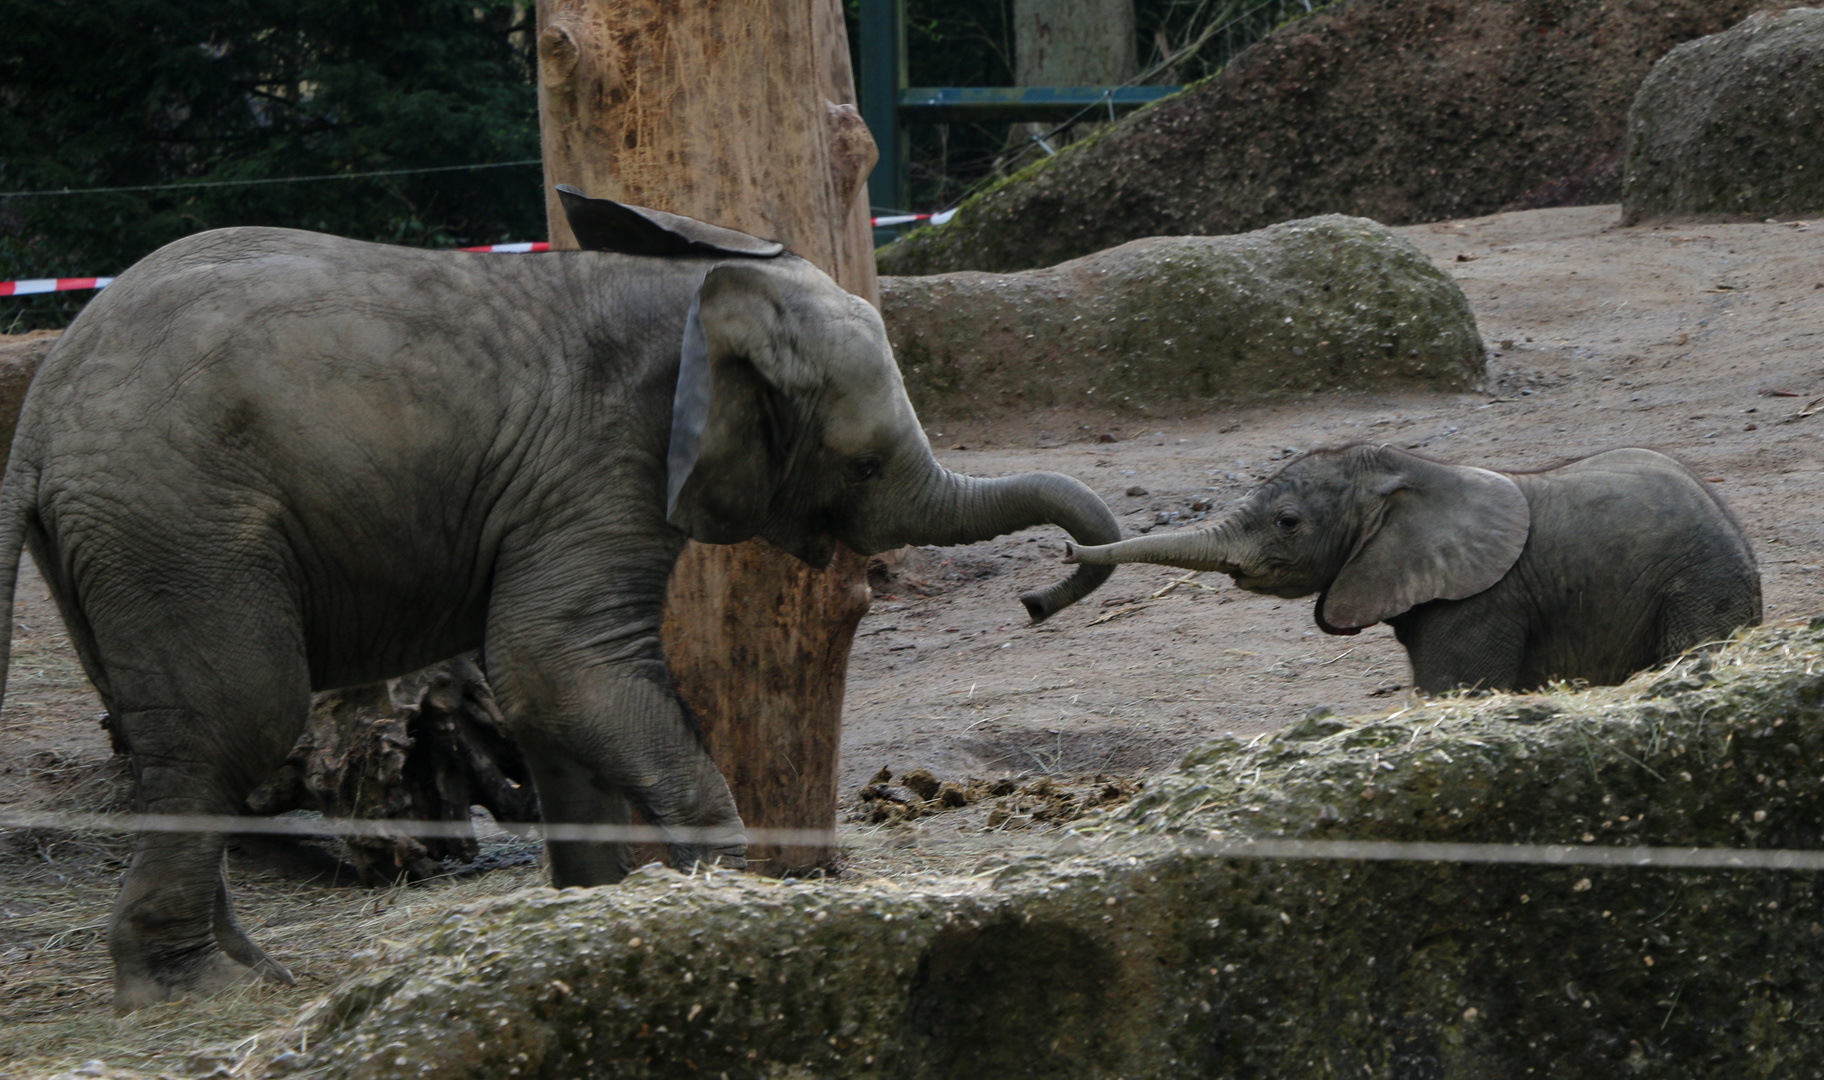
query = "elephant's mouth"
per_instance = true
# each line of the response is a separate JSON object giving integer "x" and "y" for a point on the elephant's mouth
{"x": 1267, "y": 584}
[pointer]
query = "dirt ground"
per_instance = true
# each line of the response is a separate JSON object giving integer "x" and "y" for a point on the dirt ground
{"x": 1702, "y": 340}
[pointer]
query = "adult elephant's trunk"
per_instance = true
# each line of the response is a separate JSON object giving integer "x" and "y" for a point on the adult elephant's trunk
{"x": 1215, "y": 548}
{"x": 958, "y": 509}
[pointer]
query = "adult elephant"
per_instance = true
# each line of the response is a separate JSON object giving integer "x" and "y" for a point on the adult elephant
{"x": 1506, "y": 581}
{"x": 265, "y": 462}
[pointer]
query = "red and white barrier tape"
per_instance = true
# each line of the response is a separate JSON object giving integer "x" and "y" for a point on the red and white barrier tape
{"x": 33, "y": 286}
{"x": 940, "y": 218}
{"x": 512, "y": 249}
{"x": 55, "y": 284}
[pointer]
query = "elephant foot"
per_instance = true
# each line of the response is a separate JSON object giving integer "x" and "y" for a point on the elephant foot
{"x": 238, "y": 946}
{"x": 207, "y": 974}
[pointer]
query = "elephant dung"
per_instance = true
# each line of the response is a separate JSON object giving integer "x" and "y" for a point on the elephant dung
{"x": 1137, "y": 947}
{"x": 1172, "y": 325}
{"x": 1732, "y": 124}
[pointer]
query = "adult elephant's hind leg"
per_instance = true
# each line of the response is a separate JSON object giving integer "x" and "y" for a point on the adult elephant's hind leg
{"x": 173, "y": 933}
{"x": 208, "y": 702}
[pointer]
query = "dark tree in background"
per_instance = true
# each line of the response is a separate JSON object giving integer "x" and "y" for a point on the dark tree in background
{"x": 142, "y": 92}
{"x": 128, "y": 93}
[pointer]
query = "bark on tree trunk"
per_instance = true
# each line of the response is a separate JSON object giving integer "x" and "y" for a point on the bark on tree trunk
{"x": 738, "y": 114}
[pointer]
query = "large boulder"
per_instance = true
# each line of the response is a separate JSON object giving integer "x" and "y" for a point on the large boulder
{"x": 1174, "y": 324}
{"x": 1185, "y": 935}
{"x": 1732, "y": 124}
{"x": 1398, "y": 110}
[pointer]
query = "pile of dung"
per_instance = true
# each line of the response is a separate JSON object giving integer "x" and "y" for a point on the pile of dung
{"x": 1006, "y": 803}
{"x": 1182, "y": 934}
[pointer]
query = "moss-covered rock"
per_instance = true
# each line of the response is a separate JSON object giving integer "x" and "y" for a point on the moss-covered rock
{"x": 1175, "y": 323}
{"x": 1156, "y": 943}
{"x": 1732, "y": 123}
{"x": 1397, "y": 110}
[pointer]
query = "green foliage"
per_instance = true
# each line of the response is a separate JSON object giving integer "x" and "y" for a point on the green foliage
{"x": 146, "y": 92}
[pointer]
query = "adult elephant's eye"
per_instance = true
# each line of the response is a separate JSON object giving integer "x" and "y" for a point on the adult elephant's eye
{"x": 863, "y": 468}
{"x": 1286, "y": 523}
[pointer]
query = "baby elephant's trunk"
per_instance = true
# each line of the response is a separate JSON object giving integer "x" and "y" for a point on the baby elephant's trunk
{"x": 1199, "y": 549}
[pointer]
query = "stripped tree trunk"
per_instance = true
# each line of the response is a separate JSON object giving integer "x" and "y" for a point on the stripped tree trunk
{"x": 423, "y": 747}
{"x": 740, "y": 114}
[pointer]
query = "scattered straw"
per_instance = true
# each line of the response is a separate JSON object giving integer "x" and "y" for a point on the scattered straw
{"x": 56, "y": 980}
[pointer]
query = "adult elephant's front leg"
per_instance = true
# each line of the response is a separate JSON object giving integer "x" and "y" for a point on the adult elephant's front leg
{"x": 614, "y": 737}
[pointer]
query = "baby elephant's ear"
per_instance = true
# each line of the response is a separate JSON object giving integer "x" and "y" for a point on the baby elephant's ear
{"x": 1444, "y": 532}
{"x": 606, "y": 225}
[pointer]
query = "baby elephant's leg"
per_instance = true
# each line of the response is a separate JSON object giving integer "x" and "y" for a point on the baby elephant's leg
{"x": 1706, "y": 611}
{"x": 1457, "y": 646}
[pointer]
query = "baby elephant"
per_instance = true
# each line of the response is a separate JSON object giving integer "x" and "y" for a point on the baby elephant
{"x": 1505, "y": 581}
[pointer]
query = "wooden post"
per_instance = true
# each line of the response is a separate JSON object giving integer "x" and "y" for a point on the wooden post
{"x": 1073, "y": 42}
{"x": 739, "y": 113}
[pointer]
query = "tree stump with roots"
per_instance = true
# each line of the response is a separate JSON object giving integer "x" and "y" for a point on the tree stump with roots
{"x": 427, "y": 746}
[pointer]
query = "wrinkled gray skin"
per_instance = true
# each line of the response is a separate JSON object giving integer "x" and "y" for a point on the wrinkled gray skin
{"x": 266, "y": 462}
{"x": 1590, "y": 571}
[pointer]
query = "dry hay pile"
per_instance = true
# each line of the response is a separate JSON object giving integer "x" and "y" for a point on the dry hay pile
{"x": 1141, "y": 946}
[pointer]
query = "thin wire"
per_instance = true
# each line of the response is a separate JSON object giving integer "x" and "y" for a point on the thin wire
{"x": 268, "y": 180}
{"x": 1213, "y": 844}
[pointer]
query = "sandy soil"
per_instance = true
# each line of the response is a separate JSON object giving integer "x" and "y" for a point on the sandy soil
{"x": 1706, "y": 341}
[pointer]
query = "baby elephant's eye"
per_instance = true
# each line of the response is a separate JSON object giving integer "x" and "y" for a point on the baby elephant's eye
{"x": 1286, "y": 523}
{"x": 863, "y": 468}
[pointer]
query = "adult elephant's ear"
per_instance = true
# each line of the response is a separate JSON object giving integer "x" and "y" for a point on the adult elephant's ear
{"x": 1440, "y": 532}
{"x": 732, "y": 412}
{"x": 606, "y": 225}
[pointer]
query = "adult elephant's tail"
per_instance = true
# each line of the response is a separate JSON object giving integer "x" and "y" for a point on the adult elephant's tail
{"x": 18, "y": 501}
